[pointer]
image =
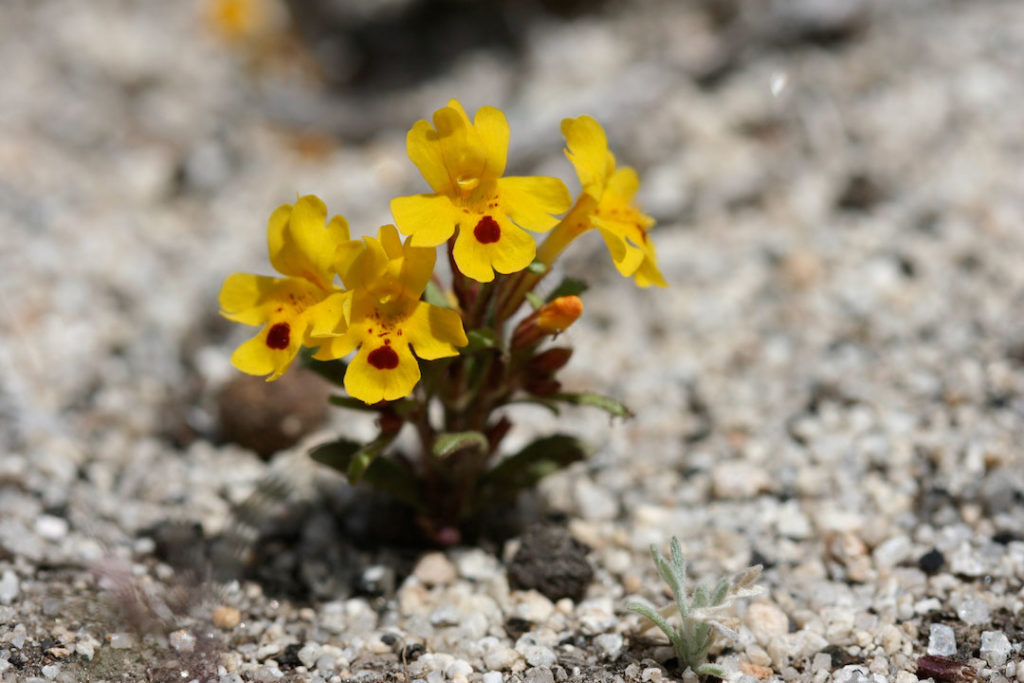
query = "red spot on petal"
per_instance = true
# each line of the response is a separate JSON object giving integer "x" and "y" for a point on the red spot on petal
{"x": 487, "y": 231}
{"x": 279, "y": 336}
{"x": 383, "y": 358}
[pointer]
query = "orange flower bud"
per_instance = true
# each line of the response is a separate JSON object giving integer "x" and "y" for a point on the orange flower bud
{"x": 559, "y": 314}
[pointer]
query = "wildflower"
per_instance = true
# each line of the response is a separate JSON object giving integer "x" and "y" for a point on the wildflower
{"x": 464, "y": 163}
{"x": 239, "y": 21}
{"x": 386, "y": 317}
{"x": 607, "y": 205}
{"x": 297, "y": 308}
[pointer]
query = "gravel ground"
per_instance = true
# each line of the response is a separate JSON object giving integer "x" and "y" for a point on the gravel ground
{"x": 833, "y": 385}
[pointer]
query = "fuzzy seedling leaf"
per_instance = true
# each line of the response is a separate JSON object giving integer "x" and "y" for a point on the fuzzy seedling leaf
{"x": 605, "y": 403}
{"x": 530, "y": 465}
{"x": 447, "y": 443}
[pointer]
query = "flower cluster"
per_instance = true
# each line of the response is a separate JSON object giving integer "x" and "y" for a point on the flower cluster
{"x": 380, "y": 298}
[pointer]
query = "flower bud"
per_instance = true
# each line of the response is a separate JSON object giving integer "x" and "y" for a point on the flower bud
{"x": 556, "y": 316}
{"x": 550, "y": 319}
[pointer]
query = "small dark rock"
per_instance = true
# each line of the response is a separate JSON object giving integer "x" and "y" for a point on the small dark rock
{"x": 389, "y": 639}
{"x": 180, "y": 544}
{"x": 376, "y": 581}
{"x": 267, "y": 417}
{"x": 517, "y": 626}
{"x": 552, "y": 562}
{"x": 861, "y": 193}
{"x": 840, "y": 657}
{"x": 931, "y": 562}
{"x": 289, "y": 657}
{"x": 412, "y": 652}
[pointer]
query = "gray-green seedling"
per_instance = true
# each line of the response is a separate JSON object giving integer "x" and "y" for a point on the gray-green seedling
{"x": 701, "y": 616}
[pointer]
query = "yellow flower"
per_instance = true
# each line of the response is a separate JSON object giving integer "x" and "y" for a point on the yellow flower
{"x": 610, "y": 208}
{"x": 297, "y": 308}
{"x": 464, "y": 163}
{"x": 386, "y": 317}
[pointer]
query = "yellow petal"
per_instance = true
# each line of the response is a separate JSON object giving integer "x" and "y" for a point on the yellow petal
{"x": 493, "y": 243}
{"x": 388, "y": 237}
{"x": 417, "y": 268}
{"x": 626, "y": 257}
{"x": 648, "y": 274}
{"x": 367, "y": 266}
{"x": 300, "y": 242}
{"x": 434, "y": 332}
{"x": 327, "y": 318}
{"x": 425, "y": 150}
{"x": 337, "y": 347}
{"x": 587, "y": 149}
{"x": 531, "y": 201}
{"x": 623, "y": 183}
{"x": 278, "y": 242}
{"x": 382, "y": 372}
{"x": 345, "y": 255}
{"x": 243, "y": 296}
{"x": 429, "y": 218}
{"x": 271, "y": 352}
{"x": 492, "y": 127}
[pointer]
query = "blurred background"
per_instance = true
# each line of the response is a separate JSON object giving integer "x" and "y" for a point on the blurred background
{"x": 820, "y": 170}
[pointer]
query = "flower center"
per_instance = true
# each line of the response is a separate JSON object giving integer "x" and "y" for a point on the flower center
{"x": 383, "y": 358}
{"x": 279, "y": 336}
{"x": 487, "y": 231}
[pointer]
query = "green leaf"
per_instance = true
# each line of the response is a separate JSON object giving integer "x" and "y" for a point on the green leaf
{"x": 349, "y": 457}
{"x": 659, "y": 621}
{"x": 537, "y": 267}
{"x": 568, "y": 287}
{"x": 535, "y": 301}
{"x": 331, "y": 370}
{"x": 605, "y": 403}
{"x": 396, "y": 479}
{"x": 336, "y": 454}
{"x": 710, "y": 670}
{"x": 434, "y": 295}
{"x": 550, "y": 405}
{"x": 382, "y": 473}
{"x": 447, "y": 443}
{"x": 479, "y": 339}
{"x": 530, "y": 465}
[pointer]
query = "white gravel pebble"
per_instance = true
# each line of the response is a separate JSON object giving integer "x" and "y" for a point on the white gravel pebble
{"x": 121, "y": 641}
{"x": 941, "y": 640}
{"x": 51, "y": 528}
{"x": 995, "y": 647}
{"x": 435, "y": 569}
{"x": 610, "y": 645}
{"x": 10, "y": 587}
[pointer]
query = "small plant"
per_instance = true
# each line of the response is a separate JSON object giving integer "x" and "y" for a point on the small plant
{"x": 445, "y": 359}
{"x": 701, "y": 616}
